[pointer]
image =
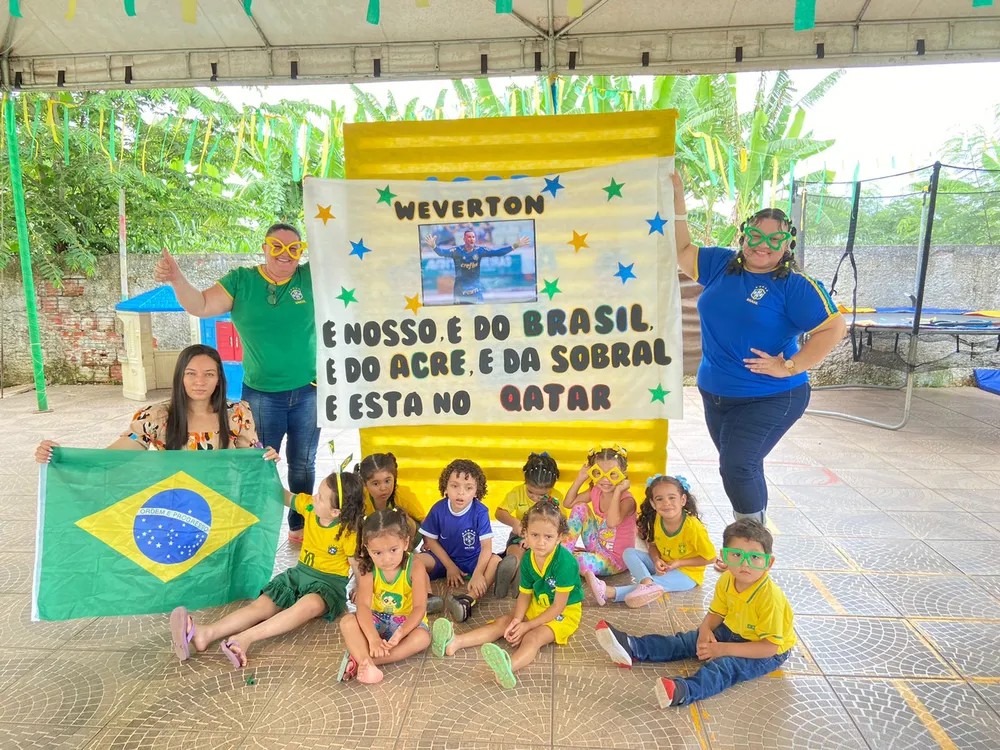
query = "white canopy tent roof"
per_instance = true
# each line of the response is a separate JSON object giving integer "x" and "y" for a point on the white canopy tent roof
{"x": 330, "y": 41}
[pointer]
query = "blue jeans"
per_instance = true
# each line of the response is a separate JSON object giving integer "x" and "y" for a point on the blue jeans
{"x": 744, "y": 431}
{"x": 291, "y": 413}
{"x": 717, "y": 674}
{"x": 641, "y": 566}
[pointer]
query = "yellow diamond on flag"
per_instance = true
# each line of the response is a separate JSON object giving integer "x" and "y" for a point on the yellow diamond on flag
{"x": 171, "y": 526}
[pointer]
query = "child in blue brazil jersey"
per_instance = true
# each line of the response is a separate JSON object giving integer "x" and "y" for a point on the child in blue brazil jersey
{"x": 548, "y": 608}
{"x": 458, "y": 537}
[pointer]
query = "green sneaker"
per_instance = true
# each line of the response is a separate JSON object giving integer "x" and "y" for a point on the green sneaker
{"x": 442, "y": 633}
{"x": 499, "y": 661}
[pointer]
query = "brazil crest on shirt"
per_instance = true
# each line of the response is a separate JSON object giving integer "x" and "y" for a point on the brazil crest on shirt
{"x": 130, "y": 532}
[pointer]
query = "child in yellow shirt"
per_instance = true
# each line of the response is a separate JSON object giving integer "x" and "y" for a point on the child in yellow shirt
{"x": 390, "y": 623}
{"x": 678, "y": 543}
{"x": 315, "y": 587}
{"x": 748, "y": 631}
{"x": 540, "y": 475}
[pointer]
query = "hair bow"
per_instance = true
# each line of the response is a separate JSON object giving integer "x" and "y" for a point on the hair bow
{"x": 655, "y": 477}
{"x": 683, "y": 482}
{"x": 616, "y": 447}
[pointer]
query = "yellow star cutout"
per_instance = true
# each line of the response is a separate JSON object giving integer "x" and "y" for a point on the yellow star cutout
{"x": 325, "y": 213}
{"x": 413, "y": 304}
{"x": 579, "y": 241}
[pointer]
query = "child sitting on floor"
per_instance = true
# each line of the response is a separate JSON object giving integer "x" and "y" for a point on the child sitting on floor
{"x": 458, "y": 536}
{"x": 315, "y": 586}
{"x": 603, "y": 517}
{"x": 548, "y": 608}
{"x": 747, "y": 632}
{"x": 380, "y": 473}
{"x": 389, "y": 624}
{"x": 679, "y": 546}
{"x": 540, "y": 475}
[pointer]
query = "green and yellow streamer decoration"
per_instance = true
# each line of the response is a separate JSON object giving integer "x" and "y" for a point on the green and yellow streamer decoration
{"x": 296, "y": 164}
{"x": 241, "y": 132}
{"x": 774, "y": 178}
{"x": 190, "y": 144}
{"x": 204, "y": 148}
{"x": 805, "y": 15}
{"x": 66, "y": 134}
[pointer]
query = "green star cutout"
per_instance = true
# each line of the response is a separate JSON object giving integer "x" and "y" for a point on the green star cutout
{"x": 385, "y": 196}
{"x": 551, "y": 288}
{"x": 346, "y": 296}
{"x": 614, "y": 189}
{"x": 658, "y": 394}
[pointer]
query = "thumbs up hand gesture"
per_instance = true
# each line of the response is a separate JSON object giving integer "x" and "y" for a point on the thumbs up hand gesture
{"x": 166, "y": 270}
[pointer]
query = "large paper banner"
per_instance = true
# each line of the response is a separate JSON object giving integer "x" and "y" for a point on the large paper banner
{"x": 532, "y": 299}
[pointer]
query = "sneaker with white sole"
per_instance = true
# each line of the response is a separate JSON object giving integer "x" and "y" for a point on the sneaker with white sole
{"x": 643, "y": 594}
{"x": 615, "y": 643}
{"x": 506, "y": 571}
{"x": 597, "y": 587}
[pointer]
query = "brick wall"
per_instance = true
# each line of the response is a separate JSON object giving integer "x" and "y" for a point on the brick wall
{"x": 81, "y": 335}
{"x": 82, "y": 342}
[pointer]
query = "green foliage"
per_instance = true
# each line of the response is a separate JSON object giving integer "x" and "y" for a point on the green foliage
{"x": 711, "y": 129}
{"x": 191, "y": 182}
{"x": 967, "y": 211}
{"x": 202, "y": 176}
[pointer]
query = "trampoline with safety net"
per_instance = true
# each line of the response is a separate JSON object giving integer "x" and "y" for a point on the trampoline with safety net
{"x": 901, "y": 236}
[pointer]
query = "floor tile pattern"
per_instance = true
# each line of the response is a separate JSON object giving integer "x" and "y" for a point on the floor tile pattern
{"x": 887, "y": 545}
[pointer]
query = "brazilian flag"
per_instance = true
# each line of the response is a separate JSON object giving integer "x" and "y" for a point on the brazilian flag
{"x": 130, "y": 532}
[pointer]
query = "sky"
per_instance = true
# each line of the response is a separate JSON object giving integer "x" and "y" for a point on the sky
{"x": 883, "y": 119}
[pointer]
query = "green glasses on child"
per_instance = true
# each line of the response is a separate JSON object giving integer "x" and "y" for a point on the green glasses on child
{"x": 755, "y": 237}
{"x": 735, "y": 558}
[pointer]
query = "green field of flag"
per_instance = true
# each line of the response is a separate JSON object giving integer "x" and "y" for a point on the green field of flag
{"x": 139, "y": 532}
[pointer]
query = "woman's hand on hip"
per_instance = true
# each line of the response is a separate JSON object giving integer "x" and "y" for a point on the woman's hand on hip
{"x": 765, "y": 364}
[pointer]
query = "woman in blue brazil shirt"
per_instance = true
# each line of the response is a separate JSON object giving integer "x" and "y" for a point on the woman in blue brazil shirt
{"x": 753, "y": 380}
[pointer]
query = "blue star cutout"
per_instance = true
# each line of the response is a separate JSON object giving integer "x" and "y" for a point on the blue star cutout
{"x": 358, "y": 248}
{"x": 656, "y": 223}
{"x": 552, "y": 186}
{"x": 625, "y": 272}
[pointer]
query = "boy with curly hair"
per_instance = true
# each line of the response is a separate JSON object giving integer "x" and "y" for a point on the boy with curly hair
{"x": 454, "y": 534}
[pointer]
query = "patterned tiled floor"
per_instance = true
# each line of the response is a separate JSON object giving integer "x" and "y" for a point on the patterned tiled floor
{"x": 887, "y": 545}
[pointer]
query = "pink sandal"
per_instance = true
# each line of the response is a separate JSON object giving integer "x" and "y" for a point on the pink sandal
{"x": 234, "y": 652}
{"x": 181, "y": 633}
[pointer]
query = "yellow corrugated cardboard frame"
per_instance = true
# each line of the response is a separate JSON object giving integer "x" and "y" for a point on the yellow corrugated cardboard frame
{"x": 505, "y": 147}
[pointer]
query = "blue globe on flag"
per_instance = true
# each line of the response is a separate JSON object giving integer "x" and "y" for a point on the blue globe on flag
{"x": 172, "y": 526}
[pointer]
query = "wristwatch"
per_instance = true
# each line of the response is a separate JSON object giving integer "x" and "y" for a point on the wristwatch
{"x": 790, "y": 366}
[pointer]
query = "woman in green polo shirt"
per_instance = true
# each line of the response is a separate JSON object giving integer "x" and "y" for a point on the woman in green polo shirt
{"x": 272, "y": 308}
